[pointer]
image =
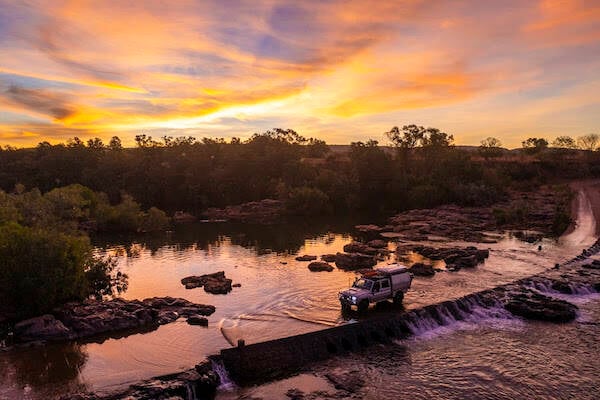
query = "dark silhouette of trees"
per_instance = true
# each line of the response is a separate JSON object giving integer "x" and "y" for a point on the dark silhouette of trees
{"x": 589, "y": 142}
{"x": 490, "y": 147}
{"x": 534, "y": 145}
{"x": 183, "y": 173}
{"x": 564, "y": 142}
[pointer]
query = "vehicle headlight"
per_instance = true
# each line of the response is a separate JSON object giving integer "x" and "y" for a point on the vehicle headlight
{"x": 353, "y": 298}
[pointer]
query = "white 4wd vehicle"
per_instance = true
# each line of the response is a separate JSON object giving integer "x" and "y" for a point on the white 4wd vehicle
{"x": 378, "y": 285}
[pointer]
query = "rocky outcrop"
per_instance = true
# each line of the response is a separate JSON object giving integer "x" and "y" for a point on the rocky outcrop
{"x": 354, "y": 261}
{"x": 91, "y": 318}
{"x": 420, "y": 269}
{"x": 377, "y": 243}
{"x": 358, "y": 247}
{"x": 318, "y": 266}
{"x": 306, "y": 257}
{"x": 472, "y": 224}
{"x": 215, "y": 283}
{"x": 532, "y": 305}
{"x": 369, "y": 232}
{"x": 266, "y": 211}
{"x": 200, "y": 381}
{"x": 45, "y": 327}
{"x": 455, "y": 258}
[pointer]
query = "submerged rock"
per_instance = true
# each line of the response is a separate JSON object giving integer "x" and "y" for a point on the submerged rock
{"x": 197, "y": 320}
{"x": 200, "y": 382}
{"x": 420, "y": 269}
{"x": 306, "y": 257}
{"x": 350, "y": 382}
{"x": 318, "y": 266}
{"x": 328, "y": 257}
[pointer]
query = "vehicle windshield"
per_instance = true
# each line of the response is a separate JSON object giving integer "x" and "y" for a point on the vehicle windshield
{"x": 363, "y": 284}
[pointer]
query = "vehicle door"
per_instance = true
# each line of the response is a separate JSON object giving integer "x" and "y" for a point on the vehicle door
{"x": 381, "y": 290}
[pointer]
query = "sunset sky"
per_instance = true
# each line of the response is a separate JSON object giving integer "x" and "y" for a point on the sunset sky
{"x": 340, "y": 71}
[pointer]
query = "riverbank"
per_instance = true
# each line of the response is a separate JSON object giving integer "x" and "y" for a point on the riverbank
{"x": 287, "y": 299}
{"x": 522, "y": 297}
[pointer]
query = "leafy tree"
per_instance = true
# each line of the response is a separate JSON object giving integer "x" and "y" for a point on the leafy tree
{"x": 408, "y": 138}
{"x": 307, "y": 201}
{"x": 564, "y": 142}
{"x": 490, "y": 147}
{"x": 434, "y": 138}
{"x": 115, "y": 143}
{"x": 41, "y": 269}
{"x": 534, "y": 145}
{"x": 589, "y": 142}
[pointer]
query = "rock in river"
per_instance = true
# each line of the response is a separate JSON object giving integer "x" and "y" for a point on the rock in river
{"x": 215, "y": 283}
{"x": 46, "y": 327}
{"x": 352, "y": 261}
{"x": 531, "y": 305}
{"x": 420, "y": 269}
{"x": 318, "y": 266}
{"x": 91, "y": 317}
{"x": 306, "y": 257}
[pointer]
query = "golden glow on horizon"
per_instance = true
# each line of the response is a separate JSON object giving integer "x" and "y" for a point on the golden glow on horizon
{"x": 340, "y": 72}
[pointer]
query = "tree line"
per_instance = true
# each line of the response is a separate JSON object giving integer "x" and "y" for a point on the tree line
{"x": 422, "y": 168}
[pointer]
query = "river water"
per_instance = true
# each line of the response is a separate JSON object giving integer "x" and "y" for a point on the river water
{"x": 280, "y": 297}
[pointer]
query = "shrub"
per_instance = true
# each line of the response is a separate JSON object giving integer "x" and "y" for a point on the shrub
{"x": 307, "y": 201}
{"x": 41, "y": 269}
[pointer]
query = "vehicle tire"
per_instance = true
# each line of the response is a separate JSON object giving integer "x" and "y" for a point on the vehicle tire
{"x": 398, "y": 297}
{"x": 363, "y": 306}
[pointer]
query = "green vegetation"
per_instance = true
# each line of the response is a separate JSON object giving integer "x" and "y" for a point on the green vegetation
{"x": 76, "y": 207}
{"x": 46, "y": 258}
{"x": 422, "y": 168}
{"x": 42, "y": 269}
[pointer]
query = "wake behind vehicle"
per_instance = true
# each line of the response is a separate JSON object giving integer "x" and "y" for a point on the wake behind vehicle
{"x": 376, "y": 286}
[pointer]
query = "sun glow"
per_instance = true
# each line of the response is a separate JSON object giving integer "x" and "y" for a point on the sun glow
{"x": 338, "y": 71}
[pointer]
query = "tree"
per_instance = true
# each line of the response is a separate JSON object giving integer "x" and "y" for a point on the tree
{"x": 115, "y": 143}
{"x": 534, "y": 145}
{"x": 408, "y": 138}
{"x": 434, "y": 138}
{"x": 95, "y": 143}
{"x": 41, "y": 269}
{"x": 564, "y": 142}
{"x": 490, "y": 147}
{"x": 589, "y": 142}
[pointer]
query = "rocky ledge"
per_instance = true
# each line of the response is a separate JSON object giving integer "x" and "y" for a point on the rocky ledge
{"x": 199, "y": 382}
{"x": 215, "y": 283}
{"x": 266, "y": 211}
{"x": 454, "y": 257}
{"x": 91, "y": 318}
{"x": 532, "y": 305}
{"x": 472, "y": 224}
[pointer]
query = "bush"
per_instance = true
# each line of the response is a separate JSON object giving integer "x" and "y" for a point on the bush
{"x": 307, "y": 201}
{"x": 41, "y": 269}
{"x": 154, "y": 220}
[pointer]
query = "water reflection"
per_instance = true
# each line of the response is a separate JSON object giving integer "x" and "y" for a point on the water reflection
{"x": 285, "y": 238}
{"x": 42, "y": 371}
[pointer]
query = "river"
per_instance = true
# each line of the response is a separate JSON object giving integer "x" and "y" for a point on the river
{"x": 279, "y": 297}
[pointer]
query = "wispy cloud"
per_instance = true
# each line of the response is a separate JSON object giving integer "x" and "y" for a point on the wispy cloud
{"x": 228, "y": 67}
